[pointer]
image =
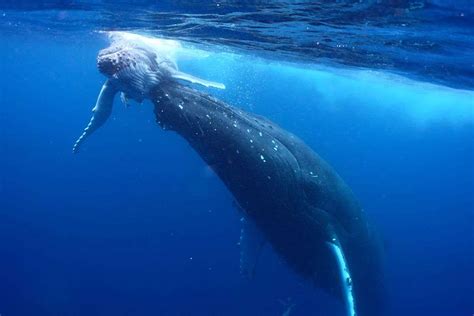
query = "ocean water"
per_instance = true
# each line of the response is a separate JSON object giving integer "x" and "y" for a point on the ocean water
{"x": 137, "y": 224}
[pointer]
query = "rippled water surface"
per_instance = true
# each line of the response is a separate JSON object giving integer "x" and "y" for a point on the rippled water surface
{"x": 427, "y": 40}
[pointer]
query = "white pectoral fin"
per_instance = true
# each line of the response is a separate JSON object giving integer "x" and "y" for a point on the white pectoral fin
{"x": 124, "y": 99}
{"x": 251, "y": 244}
{"x": 187, "y": 77}
{"x": 344, "y": 275}
{"x": 100, "y": 113}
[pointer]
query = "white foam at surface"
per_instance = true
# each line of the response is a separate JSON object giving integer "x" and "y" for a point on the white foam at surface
{"x": 171, "y": 49}
{"x": 424, "y": 103}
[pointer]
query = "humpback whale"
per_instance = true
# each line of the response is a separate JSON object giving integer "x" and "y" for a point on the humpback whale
{"x": 288, "y": 196}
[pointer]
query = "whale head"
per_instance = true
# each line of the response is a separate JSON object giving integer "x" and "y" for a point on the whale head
{"x": 133, "y": 70}
{"x": 135, "y": 66}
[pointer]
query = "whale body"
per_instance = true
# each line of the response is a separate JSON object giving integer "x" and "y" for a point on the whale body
{"x": 295, "y": 200}
{"x": 288, "y": 196}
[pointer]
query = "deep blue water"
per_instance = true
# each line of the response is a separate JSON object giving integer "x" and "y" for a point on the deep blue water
{"x": 137, "y": 224}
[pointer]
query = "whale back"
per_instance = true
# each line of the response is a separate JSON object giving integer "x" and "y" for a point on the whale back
{"x": 295, "y": 198}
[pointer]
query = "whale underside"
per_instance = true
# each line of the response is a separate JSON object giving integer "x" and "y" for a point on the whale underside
{"x": 298, "y": 203}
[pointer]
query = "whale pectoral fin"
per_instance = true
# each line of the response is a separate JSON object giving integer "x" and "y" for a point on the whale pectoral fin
{"x": 251, "y": 245}
{"x": 124, "y": 99}
{"x": 345, "y": 276}
{"x": 101, "y": 112}
{"x": 190, "y": 78}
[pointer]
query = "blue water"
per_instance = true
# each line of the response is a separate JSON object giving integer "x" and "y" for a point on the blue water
{"x": 137, "y": 224}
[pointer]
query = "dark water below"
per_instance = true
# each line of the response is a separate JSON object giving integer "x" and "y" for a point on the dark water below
{"x": 137, "y": 224}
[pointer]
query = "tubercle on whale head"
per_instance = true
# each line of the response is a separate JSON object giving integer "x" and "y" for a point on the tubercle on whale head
{"x": 111, "y": 60}
{"x": 132, "y": 70}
